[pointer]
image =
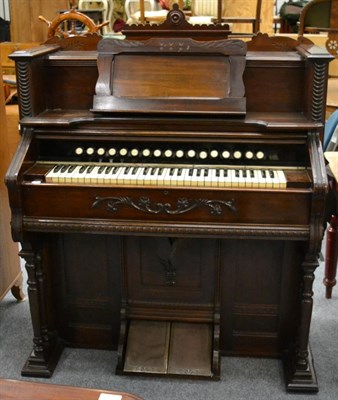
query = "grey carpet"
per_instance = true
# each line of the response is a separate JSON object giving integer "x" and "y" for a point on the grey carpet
{"x": 241, "y": 378}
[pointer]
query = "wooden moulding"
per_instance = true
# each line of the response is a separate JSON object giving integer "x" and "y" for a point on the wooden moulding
{"x": 176, "y": 25}
{"x": 154, "y": 76}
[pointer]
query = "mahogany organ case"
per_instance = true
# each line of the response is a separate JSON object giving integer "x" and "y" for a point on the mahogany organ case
{"x": 168, "y": 196}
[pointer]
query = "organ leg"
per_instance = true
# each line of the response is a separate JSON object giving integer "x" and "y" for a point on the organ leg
{"x": 47, "y": 347}
{"x": 299, "y": 369}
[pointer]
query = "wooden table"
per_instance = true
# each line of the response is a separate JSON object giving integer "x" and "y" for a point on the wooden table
{"x": 13, "y": 389}
{"x": 331, "y": 254}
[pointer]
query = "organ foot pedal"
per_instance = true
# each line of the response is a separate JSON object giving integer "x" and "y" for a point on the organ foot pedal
{"x": 169, "y": 348}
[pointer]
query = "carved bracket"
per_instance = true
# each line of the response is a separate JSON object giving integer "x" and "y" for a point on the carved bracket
{"x": 183, "y": 205}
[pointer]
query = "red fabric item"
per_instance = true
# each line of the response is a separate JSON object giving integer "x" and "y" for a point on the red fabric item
{"x": 118, "y": 25}
{"x": 164, "y": 4}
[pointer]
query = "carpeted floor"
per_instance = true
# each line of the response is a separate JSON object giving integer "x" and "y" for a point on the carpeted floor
{"x": 241, "y": 378}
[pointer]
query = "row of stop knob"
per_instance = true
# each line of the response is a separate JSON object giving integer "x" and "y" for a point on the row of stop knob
{"x": 169, "y": 153}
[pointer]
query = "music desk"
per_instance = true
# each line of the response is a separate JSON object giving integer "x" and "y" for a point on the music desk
{"x": 331, "y": 254}
{"x": 13, "y": 389}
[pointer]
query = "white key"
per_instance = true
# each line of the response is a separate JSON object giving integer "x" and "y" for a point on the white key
{"x": 147, "y": 176}
{"x": 82, "y": 173}
{"x": 128, "y": 175}
{"x": 122, "y": 176}
{"x": 140, "y": 176}
{"x": 153, "y": 176}
{"x": 197, "y": 178}
{"x": 93, "y": 176}
{"x": 100, "y": 174}
{"x": 53, "y": 174}
{"x": 181, "y": 176}
{"x": 63, "y": 174}
{"x": 86, "y": 176}
{"x": 134, "y": 175}
{"x": 69, "y": 174}
{"x": 73, "y": 176}
{"x": 207, "y": 173}
{"x": 282, "y": 179}
{"x": 167, "y": 177}
{"x": 275, "y": 179}
{"x": 163, "y": 176}
{"x": 225, "y": 179}
{"x": 173, "y": 176}
{"x": 188, "y": 177}
{"x": 250, "y": 177}
{"x": 234, "y": 178}
{"x": 114, "y": 174}
{"x": 159, "y": 176}
{"x": 241, "y": 178}
{"x": 253, "y": 178}
{"x": 215, "y": 175}
{"x": 106, "y": 178}
{"x": 269, "y": 180}
{"x": 261, "y": 178}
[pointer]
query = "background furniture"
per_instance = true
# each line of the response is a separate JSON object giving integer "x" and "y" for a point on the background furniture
{"x": 10, "y": 272}
{"x": 11, "y": 389}
{"x": 105, "y": 6}
{"x": 331, "y": 255}
{"x": 243, "y": 18}
{"x": 25, "y": 26}
{"x": 321, "y": 16}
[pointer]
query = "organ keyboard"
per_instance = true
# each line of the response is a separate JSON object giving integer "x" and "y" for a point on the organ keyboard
{"x": 166, "y": 175}
{"x": 175, "y": 217}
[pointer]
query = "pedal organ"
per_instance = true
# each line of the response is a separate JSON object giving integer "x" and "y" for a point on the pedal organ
{"x": 168, "y": 196}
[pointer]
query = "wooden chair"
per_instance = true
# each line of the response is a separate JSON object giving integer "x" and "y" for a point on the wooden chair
{"x": 254, "y": 20}
{"x": 321, "y": 16}
{"x": 105, "y": 6}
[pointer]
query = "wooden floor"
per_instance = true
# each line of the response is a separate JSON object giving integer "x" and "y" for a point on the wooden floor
{"x": 12, "y": 389}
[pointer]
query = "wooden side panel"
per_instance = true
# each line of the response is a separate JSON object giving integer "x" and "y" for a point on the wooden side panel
{"x": 86, "y": 289}
{"x": 174, "y": 271}
{"x": 259, "y": 299}
{"x": 9, "y": 260}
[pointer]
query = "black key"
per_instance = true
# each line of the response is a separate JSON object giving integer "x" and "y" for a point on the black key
{"x": 108, "y": 169}
{"x": 64, "y": 168}
{"x": 71, "y": 168}
{"x": 100, "y": 170}
{"x": 82, "y": 169}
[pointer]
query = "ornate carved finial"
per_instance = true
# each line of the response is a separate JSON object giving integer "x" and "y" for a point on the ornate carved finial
{"x": 176, "y": 16}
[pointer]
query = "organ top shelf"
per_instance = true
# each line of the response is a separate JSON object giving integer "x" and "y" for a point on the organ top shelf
{"x": 268, "y": 88}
